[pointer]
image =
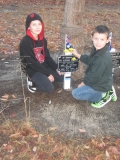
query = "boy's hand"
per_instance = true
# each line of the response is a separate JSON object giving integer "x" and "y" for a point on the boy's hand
{"x": 51, "y": 78}
{"x": 60, "y": 73}
{"x": 74, "y": 52}
{"x": 81, "y": 84}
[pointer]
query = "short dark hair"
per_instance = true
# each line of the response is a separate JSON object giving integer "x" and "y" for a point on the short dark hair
{"x": 101, "y": 29}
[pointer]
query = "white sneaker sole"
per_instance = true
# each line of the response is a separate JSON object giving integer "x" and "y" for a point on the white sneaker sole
{"x": 102, "y": 103}
{"x": 114, "y": 94}
{"x": 29, "y": 83}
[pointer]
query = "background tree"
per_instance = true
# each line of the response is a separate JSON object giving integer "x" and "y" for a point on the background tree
{"x": 72, "y": 24}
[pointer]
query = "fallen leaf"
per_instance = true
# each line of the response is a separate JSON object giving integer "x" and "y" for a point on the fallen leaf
{"x": 94, "y": 142}
{"x": 117, "y": 141}
{"x": 86, "y": 147}
{"x": 50, "y": 139}
{"x": 55, "y": 149}
{"x": 9, "y": 148}
{"x": 11, "y": 156}
{"x": 102, "y": 144}
{"x": 50, "y": 102}
{"x": 25, "y": 132}
{"x": 34, "y": 158}
{"x": 60, "y": 91}
{"x": 98, "y": 157}
{"x": 2, "y": 99}
{"x": 107, "y": 154}
{"x": 39, "y": 139}
{"x": 115, "y": 150}
{"x": 6, "y": 96}
{"x": 6, "y": 62}
{"x": 16, "y": 135}
{"x": 13, "y": 96}
{"x": 34, "y": 149}
{"x": 82, "y": 130}
{"x": 52, "y": 128}
{"x": 35, "y": 135}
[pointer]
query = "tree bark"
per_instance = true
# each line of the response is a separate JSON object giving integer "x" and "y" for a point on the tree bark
{"x": 72, "y": 24}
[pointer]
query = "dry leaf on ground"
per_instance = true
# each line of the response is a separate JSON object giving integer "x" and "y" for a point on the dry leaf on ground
{"x": 39, "y": 138}
{"x": 2, "y": 99}
{"x": 34, "y": 149}
{"x": 6, "y": 96}
{"x": 16, "y": 135}
{"x": 13, "y": 96}
{"x": 55, "y": 149}
{"x": 60, "y": 91}
{"x": 107, "y": 154}
{"x": 82, "y": 130}
{"x": 52, "y": 128}
{"x": 115, "y": 150}
{"x": 86, "y": 147}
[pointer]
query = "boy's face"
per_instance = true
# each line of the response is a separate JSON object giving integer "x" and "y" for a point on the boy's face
{"x": 99, "y": 40}
{"x": 35, "y": 27}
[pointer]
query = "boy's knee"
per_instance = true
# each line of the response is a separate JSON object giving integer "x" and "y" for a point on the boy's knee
{"x": 50, "y": 89}
{"x": 74, "y": 93}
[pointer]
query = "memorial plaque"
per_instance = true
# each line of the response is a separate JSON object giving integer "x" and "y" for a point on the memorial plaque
{"x": 68, "y": 63}
{"x": 116, "y": 59}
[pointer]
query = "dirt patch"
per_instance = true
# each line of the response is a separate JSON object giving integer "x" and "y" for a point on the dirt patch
{"x": 57, "y": 109}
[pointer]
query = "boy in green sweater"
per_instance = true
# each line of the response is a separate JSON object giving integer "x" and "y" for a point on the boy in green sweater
{"x": 97, "y": 84}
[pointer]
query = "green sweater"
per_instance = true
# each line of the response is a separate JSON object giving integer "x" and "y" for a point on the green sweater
{"x": 99, "y": 71}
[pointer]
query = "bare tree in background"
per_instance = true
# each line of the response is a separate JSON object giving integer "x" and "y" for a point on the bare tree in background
{"x": 72, "y": 24}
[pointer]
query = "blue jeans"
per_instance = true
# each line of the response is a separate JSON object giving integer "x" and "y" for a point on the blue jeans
{"x": 87, "y": 93}
{"x": 43, "y": 83}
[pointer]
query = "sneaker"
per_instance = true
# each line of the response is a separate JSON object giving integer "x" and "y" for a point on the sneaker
{"x": 102, "y": 102}
{"x": 30, "y": 85}
{"x": 113, "y": 95}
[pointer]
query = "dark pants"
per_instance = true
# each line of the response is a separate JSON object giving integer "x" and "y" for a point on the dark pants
{"x": 43, "y": 83}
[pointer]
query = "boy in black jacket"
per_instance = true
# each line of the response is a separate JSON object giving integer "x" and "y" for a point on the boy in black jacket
{"x": 97, "y": 84}
{"x": 39, "y": 67}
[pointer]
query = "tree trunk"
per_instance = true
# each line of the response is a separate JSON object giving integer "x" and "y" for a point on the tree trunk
{"x": 72, "y": 25}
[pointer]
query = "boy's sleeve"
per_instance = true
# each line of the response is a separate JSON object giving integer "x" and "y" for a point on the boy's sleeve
{"x": 49, "y": 59}
{"x": 28, "y": 59}
{"x": 85, "y": 58}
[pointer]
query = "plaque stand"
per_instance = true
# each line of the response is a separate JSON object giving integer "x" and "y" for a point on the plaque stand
{"x": 67, "y": 80}
{"x": 67, "y": 75}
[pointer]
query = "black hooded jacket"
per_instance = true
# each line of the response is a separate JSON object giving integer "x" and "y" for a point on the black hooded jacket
{"x": 29, "y": 62}
{"x": 35, "y": 56}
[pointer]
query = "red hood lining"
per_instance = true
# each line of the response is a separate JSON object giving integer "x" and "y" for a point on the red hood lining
{"x": 41, "y": 36}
